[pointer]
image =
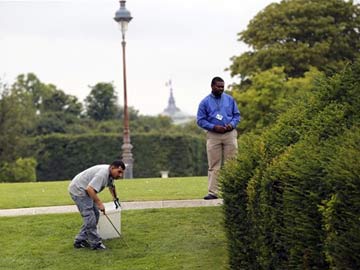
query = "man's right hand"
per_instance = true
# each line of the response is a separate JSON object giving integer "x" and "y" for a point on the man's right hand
{"x": 100, "y": 206}
{"x": 219, "y": 129}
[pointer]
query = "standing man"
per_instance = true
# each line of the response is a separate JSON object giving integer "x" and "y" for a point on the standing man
{"x": 83, "y": 190}
{"x": 219, "y": 115}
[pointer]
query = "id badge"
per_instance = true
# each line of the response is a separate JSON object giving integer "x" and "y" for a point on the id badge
{"x": 219, "y": 117}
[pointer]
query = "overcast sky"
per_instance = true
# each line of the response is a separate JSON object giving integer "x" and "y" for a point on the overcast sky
{"x": 76, "y": 43}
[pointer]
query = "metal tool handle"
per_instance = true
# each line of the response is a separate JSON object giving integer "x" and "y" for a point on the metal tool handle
{"x": 112, "y": 224}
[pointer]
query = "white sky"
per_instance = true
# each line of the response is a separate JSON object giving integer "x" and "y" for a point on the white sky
{"x": 76, "y": 43}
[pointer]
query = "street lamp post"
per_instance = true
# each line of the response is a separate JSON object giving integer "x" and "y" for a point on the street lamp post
{"x": 123, "y": 17}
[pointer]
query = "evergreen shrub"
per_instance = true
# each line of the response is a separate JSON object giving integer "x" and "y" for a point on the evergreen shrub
{"x": 291, "y": 198}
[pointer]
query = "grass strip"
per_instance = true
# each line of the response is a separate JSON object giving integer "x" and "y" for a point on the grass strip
{"x": 183, "y": 238}
{"x": 22, "y": 195}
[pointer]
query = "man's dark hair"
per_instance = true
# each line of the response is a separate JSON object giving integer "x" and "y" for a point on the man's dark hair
{"x": 216, "y": 79}
{"x": 118, "y": 163}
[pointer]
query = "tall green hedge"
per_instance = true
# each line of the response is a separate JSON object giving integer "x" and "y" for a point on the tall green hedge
{"x": 292, "y": 197}
{"x": 63, "y": 156}
{"x": 341, "y": 209}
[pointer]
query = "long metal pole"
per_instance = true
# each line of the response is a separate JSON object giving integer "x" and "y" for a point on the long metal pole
{"x": 112, "y": 224}
{"x": 126, "y": 147}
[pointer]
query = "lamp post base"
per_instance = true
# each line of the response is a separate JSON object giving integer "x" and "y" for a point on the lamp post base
{"x": 127, "y": 158}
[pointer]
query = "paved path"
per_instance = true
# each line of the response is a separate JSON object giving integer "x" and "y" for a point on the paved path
{"x": 124, "y": 205}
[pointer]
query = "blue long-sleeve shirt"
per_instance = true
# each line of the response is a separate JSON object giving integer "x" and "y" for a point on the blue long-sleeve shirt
{"x": 211, "y": 109}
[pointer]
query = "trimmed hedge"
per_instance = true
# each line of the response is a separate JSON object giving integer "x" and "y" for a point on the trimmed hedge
{"x": 341, "y": 209}
{"x": 62, "y": 156}
{"x": 292, "y": 196}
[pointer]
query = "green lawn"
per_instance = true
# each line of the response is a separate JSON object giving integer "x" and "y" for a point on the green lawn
{"x": 18, "y": 195}
{"x": 183, "y": 238}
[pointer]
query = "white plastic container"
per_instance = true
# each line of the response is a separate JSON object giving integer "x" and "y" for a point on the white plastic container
{"x": 104, "y": 227}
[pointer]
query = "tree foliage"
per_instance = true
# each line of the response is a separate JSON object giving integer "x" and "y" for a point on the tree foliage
{"x": 21, "y": 170}
{"x": 52, "y": 108}
{"x": 270, "y": 94}
{"x": 17, "y": 116}
{"x": 299, "y": 34}
{"x": 101, "y": 103}
{"x": 46, "y": 97}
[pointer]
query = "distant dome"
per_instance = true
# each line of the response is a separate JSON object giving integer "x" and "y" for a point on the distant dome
{"x": 177, "y": 116}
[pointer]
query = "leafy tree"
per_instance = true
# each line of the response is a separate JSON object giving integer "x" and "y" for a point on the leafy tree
{"x": 30, "y": 83}
{"x": 16, "y": 119}
{"x": 298, "y": 34}
{"x": 54, "y": 109}
{"x": 59, "y": 110}
{"x": 58, "y": 101}
{"x": 270, "y": 94}
{"x": 101, "y": 102}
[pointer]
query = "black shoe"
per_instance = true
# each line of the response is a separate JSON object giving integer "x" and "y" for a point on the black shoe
{"x": 210, "y": 197}
{"x": 81, "y": 244}
{"x": 99, "y": 246}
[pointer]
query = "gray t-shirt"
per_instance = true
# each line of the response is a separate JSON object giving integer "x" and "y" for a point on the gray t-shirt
{"x": 97, "y": 177}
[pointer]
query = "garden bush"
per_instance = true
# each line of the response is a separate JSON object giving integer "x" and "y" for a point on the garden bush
{"x": 291, "y": 198}
{"x": 22, "y": 170}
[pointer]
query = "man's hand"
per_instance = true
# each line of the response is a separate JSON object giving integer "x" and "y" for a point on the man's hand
{"x": 92, "y": 194}
{"x": 100, "y": 206}
{"x": 229, "y": 127}
{"x": 117, "y": 203}
{"x": 219, "y": 129}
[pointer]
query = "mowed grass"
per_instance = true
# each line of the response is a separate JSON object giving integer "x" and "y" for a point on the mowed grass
{"x": 19, "y": 195}
{"x": 183, "y": 238}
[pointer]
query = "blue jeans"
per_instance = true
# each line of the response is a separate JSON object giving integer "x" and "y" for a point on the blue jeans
{"x": 90, "y": 214}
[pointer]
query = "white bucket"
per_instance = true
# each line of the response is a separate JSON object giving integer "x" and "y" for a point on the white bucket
{"x": 104, "y": 227}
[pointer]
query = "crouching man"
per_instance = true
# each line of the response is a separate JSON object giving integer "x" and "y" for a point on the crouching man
{"x": 83, "y": 190}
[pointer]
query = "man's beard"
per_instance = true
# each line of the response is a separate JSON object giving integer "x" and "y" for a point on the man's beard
{"x": 217, "y": 94}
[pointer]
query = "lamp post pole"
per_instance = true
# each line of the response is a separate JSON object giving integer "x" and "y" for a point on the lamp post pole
{"x": 123, "y": 17}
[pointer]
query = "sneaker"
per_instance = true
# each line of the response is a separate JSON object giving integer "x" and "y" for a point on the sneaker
{"x": 210, "y": 197}
{"x": 81, "y": 244}
{"x": 99, "y": 246}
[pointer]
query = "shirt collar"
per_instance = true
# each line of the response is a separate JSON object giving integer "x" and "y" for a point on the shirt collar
{"x": 213, "y": 96}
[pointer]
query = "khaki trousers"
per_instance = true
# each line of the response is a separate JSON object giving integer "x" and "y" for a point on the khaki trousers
{"x": 220, "y": 147}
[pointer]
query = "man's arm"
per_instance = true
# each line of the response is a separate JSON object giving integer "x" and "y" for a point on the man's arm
{"x": 201, "y": 118}
{"x": 93, "y": 195}
{"x": 112, "y": 190}
{"x": 236, "y": 115}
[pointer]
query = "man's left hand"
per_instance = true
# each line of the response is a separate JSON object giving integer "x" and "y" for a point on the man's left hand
{"x": 117, "y": 203}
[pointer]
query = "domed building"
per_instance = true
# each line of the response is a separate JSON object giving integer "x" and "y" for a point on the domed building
{"x": 178, "y": 117}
